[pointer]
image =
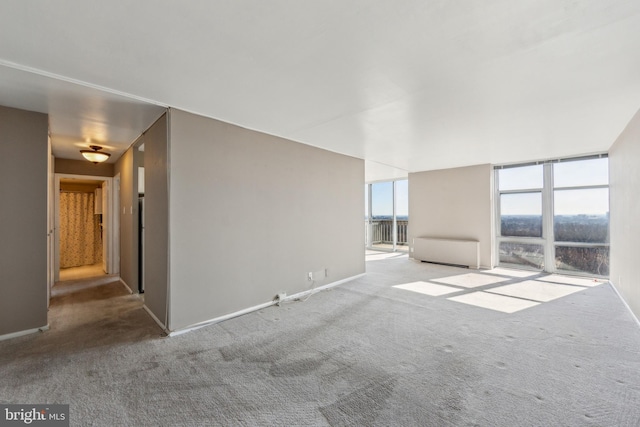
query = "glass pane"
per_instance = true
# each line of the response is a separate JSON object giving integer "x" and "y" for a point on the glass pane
{"x": 581, "y": 172}
{"x": 581, "y": 215}
{"x": 402, "y": 213}
{"x": 586, "y": 260}
{"x": 382, "y": 215}
{"x": 521, "y": 214}
{"x": 382, "y": 200}
{"x": 520, "y": 178}
{"x": 522, "y": 254}
{"x": 402, "y": 199}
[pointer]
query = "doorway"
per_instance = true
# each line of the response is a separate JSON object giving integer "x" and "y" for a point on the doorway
{"x": 83, "y": 232}
{"x": 387, "y": 215}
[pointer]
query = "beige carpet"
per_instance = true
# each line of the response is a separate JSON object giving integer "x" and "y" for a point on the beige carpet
{"x": 366, "y": 353}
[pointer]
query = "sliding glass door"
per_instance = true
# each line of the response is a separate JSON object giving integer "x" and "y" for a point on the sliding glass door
{"x": 387, "y": 215}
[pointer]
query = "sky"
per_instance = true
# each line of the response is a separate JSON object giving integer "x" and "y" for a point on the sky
{"x": 566, "y": 201}
{"x": 382, "y": 198}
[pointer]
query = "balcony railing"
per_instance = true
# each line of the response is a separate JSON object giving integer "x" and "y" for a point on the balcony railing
{"x": 382, "y": 231}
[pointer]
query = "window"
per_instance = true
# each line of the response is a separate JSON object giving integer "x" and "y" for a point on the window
{"x": 520, "y": 208}
{"x": 581, "y": 216}
{"x": 521, "y": 214}
{"x": 387, "y": 215}
{"x": 554, "y": 216}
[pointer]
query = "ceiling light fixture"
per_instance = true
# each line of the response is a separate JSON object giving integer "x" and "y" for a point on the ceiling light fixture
{"x": 95, "y": 155}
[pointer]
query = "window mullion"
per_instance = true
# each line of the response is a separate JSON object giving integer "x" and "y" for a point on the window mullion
{"x": 547, "y": 219}
{"x": 394, "y": 234}
{"x": 370, "y": 217}
{"x": 497, "y": 223}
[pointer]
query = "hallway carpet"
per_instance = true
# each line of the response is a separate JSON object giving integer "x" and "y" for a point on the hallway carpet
{"x": 363, "y": 354}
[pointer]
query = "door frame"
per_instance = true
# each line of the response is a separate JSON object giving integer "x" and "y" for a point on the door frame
{"x": 112, "y": 237}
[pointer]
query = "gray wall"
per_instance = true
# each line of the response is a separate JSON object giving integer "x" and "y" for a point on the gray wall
{"x": 454, "y": 203}
{"x": 23, "y": 220}
{"x": 156, "y": 213}
{"x": 251, "y": 214}
{"x": 125, "y": 166}
{"x": 83, "y": 167}
{"x": 624, "y": 182}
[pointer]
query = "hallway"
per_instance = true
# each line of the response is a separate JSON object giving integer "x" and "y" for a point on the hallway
{"x": 82, "y": 272}
{"x": 96, "y": 311}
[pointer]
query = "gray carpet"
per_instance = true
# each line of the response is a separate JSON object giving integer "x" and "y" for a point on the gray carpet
{"x": 361, "y": 354}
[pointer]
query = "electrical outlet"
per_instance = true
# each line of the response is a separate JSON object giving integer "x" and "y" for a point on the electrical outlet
{"x": 280, "y": 297}
{"x": 318, "y": 275}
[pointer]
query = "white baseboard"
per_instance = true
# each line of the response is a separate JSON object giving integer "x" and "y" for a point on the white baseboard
{"x": 125, "y": 285}
{"x": 155, "y": 319}
{"x": 625, "y": 303}
{"x": 220, "y": 319}
{"x": 322, "y": 288}
{"x": 260, "y": 307}
{"x": 21, "y": 333}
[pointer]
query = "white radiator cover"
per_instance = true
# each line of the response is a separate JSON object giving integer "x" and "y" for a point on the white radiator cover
{"x": 447, "y": 251}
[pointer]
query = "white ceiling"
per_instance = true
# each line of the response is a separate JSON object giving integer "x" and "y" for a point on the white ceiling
{"x": 410, "y": 84}
{"x": 79, "y": 115}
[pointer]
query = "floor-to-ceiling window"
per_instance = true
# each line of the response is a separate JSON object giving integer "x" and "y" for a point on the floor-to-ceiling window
{"x": 554, "y": 216}
{"x": 387, "y": 215}
{"x": 521, "y": 239}
{"x": 581, "y": 216}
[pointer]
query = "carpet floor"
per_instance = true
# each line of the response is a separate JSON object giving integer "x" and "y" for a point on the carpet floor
{"x": 408, "y": 344}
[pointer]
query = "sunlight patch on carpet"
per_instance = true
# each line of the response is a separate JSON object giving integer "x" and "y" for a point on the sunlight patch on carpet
{"x": 579, "y": 281}
{"x": 378, "y": 256}
{"x": 535, "y": 290}
{"x": 428, "y": 288}
{"x": 470, "y": 280}
{"x": 494, "y": 302}
{"x": 511, "y": 272}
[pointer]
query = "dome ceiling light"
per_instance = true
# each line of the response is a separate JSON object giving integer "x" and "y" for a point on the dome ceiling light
{"x": 95, "y": 155}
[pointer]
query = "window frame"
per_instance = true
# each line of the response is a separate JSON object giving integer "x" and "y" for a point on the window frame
{"x": 547, "y": 240}
{"x": 369, "y": 214}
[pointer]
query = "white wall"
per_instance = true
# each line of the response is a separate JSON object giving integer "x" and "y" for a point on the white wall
{"x": 624, "y": 184}
{"x": 251, "y": 214}
{"x": 454, "y": 203}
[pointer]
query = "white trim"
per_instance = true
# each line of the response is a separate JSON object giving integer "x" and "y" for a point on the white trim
{"x": 625, "y": 303}
{"x": 125, "y": 285}
{"x": 167, "y": 306}
{"x": 113, "y": 241}
{"x": 25, "y": 332}
{"x": 50, "y": 75}
{"x": 114, "y": 254}
{"x": 260, "y": 306}
{"x": 322, "y": 288}
{"x": 220, "y": 319}
{"x": 153, "y": 316}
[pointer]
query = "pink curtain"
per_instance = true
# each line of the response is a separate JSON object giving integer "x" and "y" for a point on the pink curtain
{"x": 80, "y": 239}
